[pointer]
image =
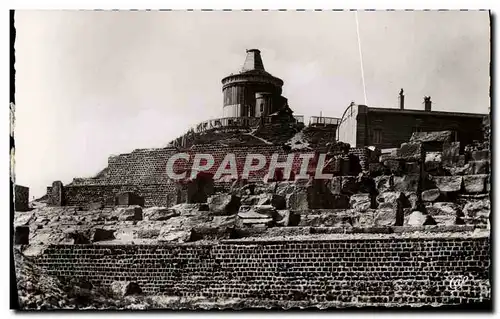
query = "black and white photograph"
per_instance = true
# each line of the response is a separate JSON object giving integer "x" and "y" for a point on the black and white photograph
{"x": 251, "y": 160}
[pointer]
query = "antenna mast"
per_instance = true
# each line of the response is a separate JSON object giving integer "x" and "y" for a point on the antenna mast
{"x": 360, "y": 56}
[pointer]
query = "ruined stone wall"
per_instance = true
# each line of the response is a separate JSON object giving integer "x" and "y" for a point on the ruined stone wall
{"x": 441, "y": 269}
{"x": 21, "y": 198}
{"x": 153, "y": 194}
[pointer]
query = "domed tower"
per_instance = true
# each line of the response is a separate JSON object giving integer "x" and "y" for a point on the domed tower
{"x": 253, "y": 91}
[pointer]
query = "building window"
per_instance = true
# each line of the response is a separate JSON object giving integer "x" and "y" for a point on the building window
{"x": 261, "y": 107}
{"x": 377, "y": 136}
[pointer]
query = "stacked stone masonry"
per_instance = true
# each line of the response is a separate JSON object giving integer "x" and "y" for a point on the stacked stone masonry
{"x": 403, "y": 271}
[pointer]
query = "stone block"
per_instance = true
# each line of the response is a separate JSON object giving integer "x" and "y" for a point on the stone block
{"x": 129, "y": 198}
{"x": 21, "y": 235}
{"x": 417, "y": 219}
{"x": 278, "y": 201}
{"x": 336, "y": 185}
{"x": 376, "y": 169}
{"x": 385, "y": 217}
{"x": 479, "y": 167}
{"x": 411, "y": 151}
{"x": 121, "y": 289}
{"x": 430, "y": 195}
{"x": 477, "y": 212}
{"x": 448, "y": 183}
{"x": 444, "y": 213}
{"x": 366, "y": 184}
{"x": 392, "y": 200}
{"x": 101, "y": 234}
{"x": 412, "y": 199}
{"x": 412, "y": 167}
{"x": 394, "y": 166}
{"x": 298, "y": 200}
{"x": 128, "y": 213}
{"x": 451, "y": 153}
{"x": 361, "y": 202}
{"x": 406, "y": 183}
{"x": 439, "y": 136}
{"x": 21, "y": 198}
{"x": 364, "y": 219}
{"x": 159, "y": 213}
{"x": 224, "y": 204}
{"x": 349, "y": 185}
{"x": 384, "y": 183}
{"x": 56, "y": 198}
{"x": 96, "y": 206}
{"x": 483, "y": 155}
{"x": 475, "y": 183}
{"x": 327, "y": 219}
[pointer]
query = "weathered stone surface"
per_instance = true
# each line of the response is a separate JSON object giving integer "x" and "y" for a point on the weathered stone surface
{"x": 440, "y": 136}
{"x": 364, "y": 219}
{"x": 417, "y": 219}
{"x": 224, "y": 204}
{"x": 366, "y": 184}
{"x": 392, "y": 200}
{"x": 125, "y": 288}
{"x": 376, "y": 169}
{"x": 448, "y": 183}
{"x": 412, "y": 199}
{"x": 277, "y": 201}
{"x": 21, "y": 198}
{"x": 96, "y": 206}
{"x": 267, "y": 222}
{"x": 361, "y": 202}
{"x": 159, "y": 213}
{"x": 298, "y": 200}
{"x": 412, "y": 168}
{"x": 336, "y": 185}
{"x": 411, "y": 151}
{"x": 478, "y": 167}
{"x": 349, "y": 185}
{"x": 21, "y": 235}
{"x": 406, "y": 183}
{"x": 283, "y": 218}
{"x": 444, "y": 213}
{"x": 56, "y": 197}
{"x": 430, "y": 195}
{"x": 327, "y": 219}
{"x": 384, "y": 183}
{"x": 178, "y": 236}
{"x": 480, "y": 155}
{"x": 129, "y": 198}
{"x": 394, "y": 166}
{"x": 433, "y": 157}
{"x": 385, "y": 217}
{"x": 475, "y": 183}
{"x": 477, "y": 212}
{"x": 451, "y": 153}
{"x": 101, "y": 234}
{"x": 129, "y": 213}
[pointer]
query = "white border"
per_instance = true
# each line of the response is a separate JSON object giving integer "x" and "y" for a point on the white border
{"x": 191, "y": 4}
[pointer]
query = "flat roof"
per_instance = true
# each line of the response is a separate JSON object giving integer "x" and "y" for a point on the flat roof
{"x": 422, "y": 112}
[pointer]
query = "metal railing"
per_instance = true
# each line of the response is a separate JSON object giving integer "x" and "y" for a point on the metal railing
{"x": 226, "y": 122}
{"x": 299, "y": 118}
{"x": 321, "y": 120}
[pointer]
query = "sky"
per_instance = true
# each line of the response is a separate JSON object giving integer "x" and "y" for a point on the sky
{"x": 94, "y": 83}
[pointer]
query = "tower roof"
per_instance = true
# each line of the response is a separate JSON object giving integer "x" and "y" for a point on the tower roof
{"x": 253, "y": 61}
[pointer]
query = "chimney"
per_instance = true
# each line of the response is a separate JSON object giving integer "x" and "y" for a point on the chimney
{"x": 253, "y": 61}
{"x": 427, "y": 103}
{"x": 401, "y": 100}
